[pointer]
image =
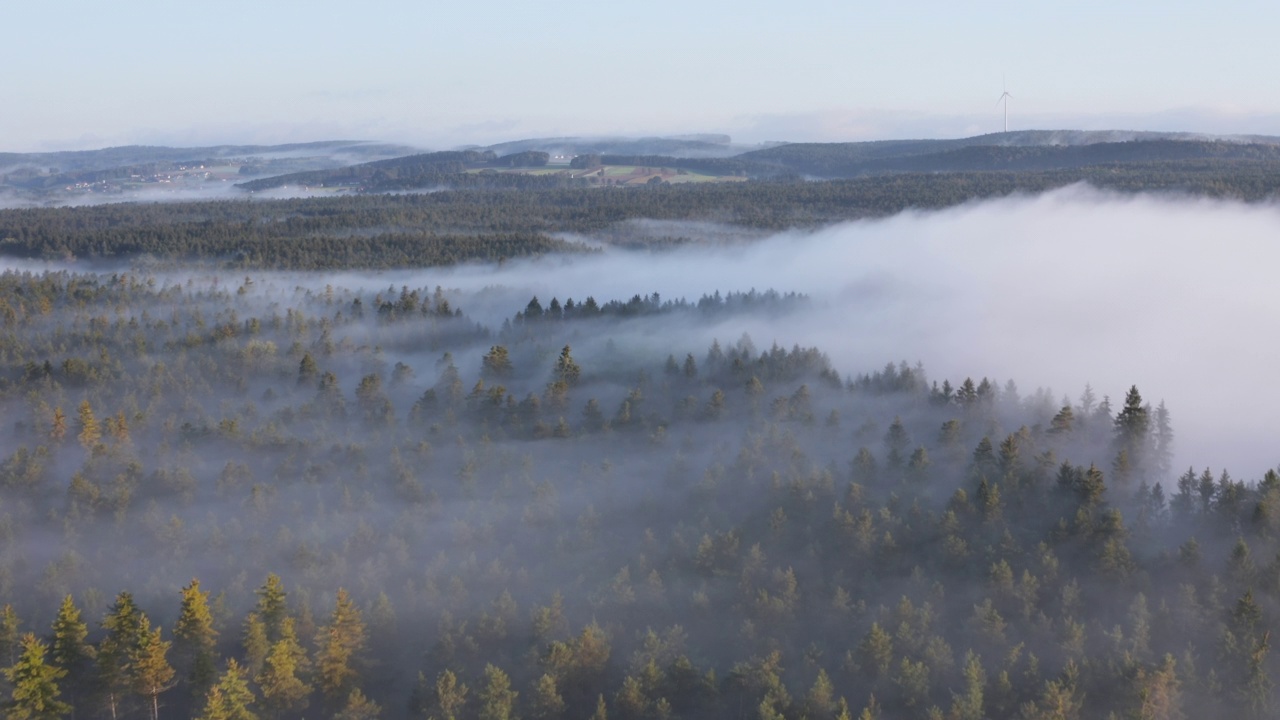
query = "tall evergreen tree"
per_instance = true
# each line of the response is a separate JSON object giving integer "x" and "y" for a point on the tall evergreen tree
{"x": 340, "y": 644}
{"x": 256, "y": 644}
{"x": 195, "y": 641}
{"x": 10, "y": 635}
{"x": 283, "y": 689}
{"x": 124, "y": 626}
{"x": 567, "y": 370}
{"x": 271, "y": 606}
{"x": 497, "y": 699}
{"x": 229, "y": 698}
{"x": 90, "y": 432}
{"x": 35, "y": 684}
{"x": 450, "y": 696}
{"x": 1132, "y": 430}
{"x": 71, "y": 652}
{"x": 358, "y": 707}
{"x": 150, "y": 669}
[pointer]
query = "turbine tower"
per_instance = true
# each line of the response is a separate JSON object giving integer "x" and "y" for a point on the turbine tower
{"x": 1004, "y": 98}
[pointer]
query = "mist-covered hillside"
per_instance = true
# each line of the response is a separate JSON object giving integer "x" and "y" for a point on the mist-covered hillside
{"x": 316, "y": 494}
{"x": 669, "y": 452}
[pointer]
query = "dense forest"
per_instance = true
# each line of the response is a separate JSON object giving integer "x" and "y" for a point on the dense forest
{"x": 529, "y": 215}
{"x": 272, "y": 495}
{"x": 234, "y": 487}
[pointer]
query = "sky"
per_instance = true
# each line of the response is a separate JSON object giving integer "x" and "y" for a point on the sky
{"x": 83, "y": 74}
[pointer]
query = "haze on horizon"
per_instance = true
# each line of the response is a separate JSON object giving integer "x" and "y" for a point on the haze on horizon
{"x": 441, "y": 75}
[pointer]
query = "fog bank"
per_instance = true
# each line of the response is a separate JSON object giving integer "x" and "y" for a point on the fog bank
{"x": 1071, "y": 287}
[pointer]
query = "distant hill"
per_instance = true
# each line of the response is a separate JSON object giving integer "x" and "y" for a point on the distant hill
{"x": 114, "y": 173}
{"x": 492, "y": 166}
{"x": 107, "y": 158}
{"x": 846, "y": 160}
{"x": 415, "y": 170}
{"x": 686, "y": 146}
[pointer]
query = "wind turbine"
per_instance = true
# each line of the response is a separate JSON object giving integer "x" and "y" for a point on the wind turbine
{"x": 1004, "y": 98}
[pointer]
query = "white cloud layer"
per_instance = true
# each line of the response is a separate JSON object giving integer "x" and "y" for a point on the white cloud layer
{"x": 1175, "y": 295}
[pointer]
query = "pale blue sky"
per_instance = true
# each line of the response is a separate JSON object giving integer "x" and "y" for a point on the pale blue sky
{"x": 87, "y": 74}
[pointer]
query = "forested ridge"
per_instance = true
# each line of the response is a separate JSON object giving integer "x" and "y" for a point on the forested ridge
{"x": 276, "y": 496}
{"x": 479, "y": 224}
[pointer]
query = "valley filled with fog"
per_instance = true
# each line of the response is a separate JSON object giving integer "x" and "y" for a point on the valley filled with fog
{"x": 931, "y": 464}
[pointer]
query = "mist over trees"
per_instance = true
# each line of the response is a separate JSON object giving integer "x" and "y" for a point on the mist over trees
{"x": 237, "y": 496}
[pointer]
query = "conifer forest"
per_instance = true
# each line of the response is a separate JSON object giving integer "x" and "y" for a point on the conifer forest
{"x": 254, "y": 464}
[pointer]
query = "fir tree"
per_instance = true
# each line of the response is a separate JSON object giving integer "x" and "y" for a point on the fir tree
{"x": 283, "y": 689}
{"x": 90, "y": 433}
{"x": 35, "y": 684}
{"x": 230, "y": 697}
{"x": 497, "y": 699}
{"x": 70, "y": 652}
{"x": 195, "y": 641}
{"x": 149, "y": 668}
{"x": 340, "y": 644}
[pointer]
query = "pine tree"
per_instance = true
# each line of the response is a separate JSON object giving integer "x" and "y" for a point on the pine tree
{"x": 821, "y": 700}
{"x": 496, "y": 364}
{"x": 124, "y": 626}
{"x": 1132, "y": 428}
{"x": 358, "y": 707}
{"x": 631, "y": 703}
{"x": 195, "y": 641}
{"x": 271, "y": 606}
{"x": 1257, "y": 690}
{"x": 875, "y": 652}
{"x": 307, "y": 369}
{"x": 35, "y": 684}
{"x": 566, "y": 370}
{"x": 968, "y": 704}
{"x": 230, "y": 697}
{"x": 70, "y": 652}
{"x": 283, "y": 689}
{"x": 602, "y": 712}
{"x": 451, "y": 696}
{"x": 10, "y": 635}
{"x": 256, "y": 644}
{"x": 340, "y": 644}
{"x": 497, "y": 699}
{"x": 547, "y": 703}
{"x": 149, "y": 668}
{"x": 90, "y": 433}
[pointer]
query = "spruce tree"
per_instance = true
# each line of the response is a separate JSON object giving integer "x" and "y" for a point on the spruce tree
{"x": 195, "y": 641}
{"x": 35, "y": 684}
{"x": 70, "y": 652}
{"x": 230, "y": 697}
{"x": 547, "y": 703}
{"x": 271, "y": 606}
{"x": 10, "y": 635}
{"x": 90, "y": 432}
{"x": 340, "y": 644}
{"x": 451, "y": 696}
{"x": 281, "y": 681}
{"x": 150, "y": 669}
{"x": 497, "y": 699}
{"x": 358, "y": 707}
{"x": 124, "y": 626}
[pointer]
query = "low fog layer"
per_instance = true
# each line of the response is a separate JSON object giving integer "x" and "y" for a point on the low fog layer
{"x": 594, "y": 503}
{"x": 1071, "y": 287}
